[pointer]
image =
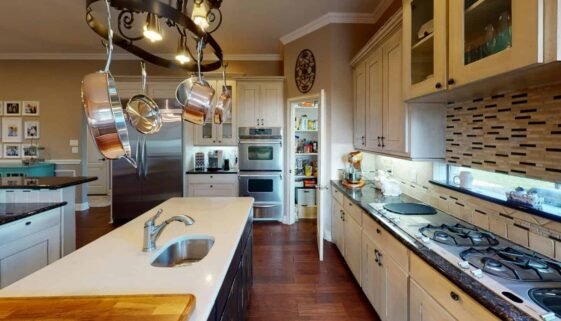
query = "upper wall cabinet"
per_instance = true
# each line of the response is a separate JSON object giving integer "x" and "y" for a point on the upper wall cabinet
{"x": 223, "y": 134}
{"x": 383, "y": 122}
{"x": 452, "y": 43}
{"x": 260, "y": 103}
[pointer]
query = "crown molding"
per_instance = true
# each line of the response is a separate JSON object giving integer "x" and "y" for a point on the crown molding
{"x": 125, "y": 56}
{"x": 326, "y": 19}
{"x": 387, "y": 29}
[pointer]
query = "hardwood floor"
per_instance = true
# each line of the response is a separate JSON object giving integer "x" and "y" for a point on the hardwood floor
{"x": 290, "y": 284}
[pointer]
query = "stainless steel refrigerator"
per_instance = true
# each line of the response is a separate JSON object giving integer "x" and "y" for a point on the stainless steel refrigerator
{"x": 159, "y": 175}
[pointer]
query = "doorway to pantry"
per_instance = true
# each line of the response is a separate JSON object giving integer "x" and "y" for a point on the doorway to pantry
{"x": 306, "y": 161}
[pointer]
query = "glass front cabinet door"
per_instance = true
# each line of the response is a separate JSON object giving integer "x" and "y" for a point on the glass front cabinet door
{"x": 223, "y": 134}
{"x": 490, "y": 37}
{"x": 424, "y": 40}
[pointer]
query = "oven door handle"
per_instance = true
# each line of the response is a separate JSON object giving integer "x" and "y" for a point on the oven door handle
{"x": 260, "y": 175}
{"x": 266, "y": 205}
{"x": 260, "y": 142}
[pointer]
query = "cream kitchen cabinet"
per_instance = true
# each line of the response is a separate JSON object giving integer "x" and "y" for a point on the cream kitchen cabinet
{"x": 212, "y": 185}
{"x": 427, "y": 283}
{"x": 473, "y": 40}
{"x": 260, "y": 102}
{"x": 392, "y": 127}
{"x": 224, "y": 134}
{"x": 337, "y": 232}
{"x": 28, "y": 245}
{"x": 347, "y": 231}
{"x": 422, "y": 307}
{"x": 385, "y": 273}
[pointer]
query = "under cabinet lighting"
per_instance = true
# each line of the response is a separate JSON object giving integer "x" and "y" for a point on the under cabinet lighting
{"x": 152, "y": 28}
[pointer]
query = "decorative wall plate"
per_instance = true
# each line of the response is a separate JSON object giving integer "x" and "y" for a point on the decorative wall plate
{"x": 305, "y": 71}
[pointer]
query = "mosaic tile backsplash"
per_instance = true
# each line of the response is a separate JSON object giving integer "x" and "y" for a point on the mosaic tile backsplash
{"x": 539, "y": 234}
{"x": 515, "y": 134}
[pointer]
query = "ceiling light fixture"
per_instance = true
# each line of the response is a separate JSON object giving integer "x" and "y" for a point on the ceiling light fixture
{"x": 182, "y": 54}
{"x": 152, "y": 28}
{"x": 203, "y": 19}
{"x": 199, "y": 15}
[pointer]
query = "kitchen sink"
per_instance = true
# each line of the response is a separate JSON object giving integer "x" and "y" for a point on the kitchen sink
{"x": 184, "y": 252}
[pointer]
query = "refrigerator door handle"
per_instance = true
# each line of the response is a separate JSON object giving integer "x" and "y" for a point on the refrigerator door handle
{"x": 144, "y": 159}
{"x": 137, "y": 158}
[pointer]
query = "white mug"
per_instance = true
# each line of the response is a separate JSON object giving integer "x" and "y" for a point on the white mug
{"x": 465, "y": 180}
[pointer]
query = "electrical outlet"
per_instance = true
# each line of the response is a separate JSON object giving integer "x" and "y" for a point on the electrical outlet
{"x": 74, "y": 142}
{"x": 75, "y": 150}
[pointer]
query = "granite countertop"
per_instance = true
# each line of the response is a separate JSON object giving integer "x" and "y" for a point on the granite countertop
{"x": 493, "y": 302}
{"x": 10, "y": 212}
{"x": 46, "y": 182}
{"x": 115, "y": 264}
{"x": 206, "y": 171}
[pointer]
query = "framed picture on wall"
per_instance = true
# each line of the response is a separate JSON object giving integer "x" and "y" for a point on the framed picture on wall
{"x": 11, "y": 130}
{"x": 12, "y": 108}
{"x": 31, "y": 129}
{"x": 12, "y": 150}
{"x": 30, "y": 108}
{"x": 30, "y": 151}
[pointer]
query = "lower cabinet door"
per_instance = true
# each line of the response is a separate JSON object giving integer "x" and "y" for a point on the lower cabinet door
{"x": 422, "y": 307}
{"x": 397, "y": 289}
{"x": 373, "y": 277}
{"x": 353, "y": 245}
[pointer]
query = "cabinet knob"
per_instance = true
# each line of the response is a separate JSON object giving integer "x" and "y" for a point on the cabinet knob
{"x": 27, "y": 223}
{"x": 438, "y": 85}
{"x": 454, "y": 296}
{"x": 211, "y": 186}
{"x": 213, "y": 141}
{"x": 211, "y": 176}
{"x": 451, "y": 81}
{"x": 378, "y": 231}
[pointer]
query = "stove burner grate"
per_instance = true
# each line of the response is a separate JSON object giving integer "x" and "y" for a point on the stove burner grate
{"x": 458, "y": 235}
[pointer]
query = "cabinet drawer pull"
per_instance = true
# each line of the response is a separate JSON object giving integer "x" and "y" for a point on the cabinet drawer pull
{"x": 378, "y": 231}
{"x": 454, "y": 296}
{"x": 350, "y": 204}
{"x": 27, "y": 223}
{"x": 451, "y": 81}
{"x": 379, "y": 144}
{"x": 376, "y": 256}
{"x": 211, "y": 176}
{"x": 438, "y": 85}
{"x": 211, "y": 186}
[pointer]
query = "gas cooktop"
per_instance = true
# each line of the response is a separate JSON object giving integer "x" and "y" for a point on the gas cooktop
{"x": 459, "y": 235}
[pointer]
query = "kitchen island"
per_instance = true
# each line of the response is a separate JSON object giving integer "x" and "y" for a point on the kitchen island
{"x": 115, "y": 264}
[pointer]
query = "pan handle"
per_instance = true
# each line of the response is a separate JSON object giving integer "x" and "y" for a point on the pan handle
{"x": 109, "y": 37}
{"x": 136, "y": 156}
{"x": 130, "y": 160}
{"x": 143, "y": 69}
{"x": 144, "y": 160}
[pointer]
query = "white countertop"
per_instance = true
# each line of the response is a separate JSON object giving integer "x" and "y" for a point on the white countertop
{"x": 115, "y": 263}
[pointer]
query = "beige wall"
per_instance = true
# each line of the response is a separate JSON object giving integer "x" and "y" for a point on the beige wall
{"x": 56, "y": 84}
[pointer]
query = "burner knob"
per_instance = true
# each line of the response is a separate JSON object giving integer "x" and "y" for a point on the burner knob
{"x": 418, "y": 235}
{"x": 477, "y": 273}
{"x": 454, "y": 296}
{"x": 464, "y": 264}
{"x": 548, "y": 316}
{"x": 395, "y": 219}
{"x": 425, "y": 239}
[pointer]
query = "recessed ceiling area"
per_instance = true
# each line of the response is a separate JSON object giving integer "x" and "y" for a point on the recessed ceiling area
{"x": 250, "y": 27}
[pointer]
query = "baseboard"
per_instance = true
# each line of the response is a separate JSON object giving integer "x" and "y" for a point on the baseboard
{"x": 82, "y": 206}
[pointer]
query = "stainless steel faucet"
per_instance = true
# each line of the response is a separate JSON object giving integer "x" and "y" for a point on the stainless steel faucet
{"x": 153, "y": 231}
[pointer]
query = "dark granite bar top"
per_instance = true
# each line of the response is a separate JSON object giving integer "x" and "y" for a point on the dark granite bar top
{"x": 47, "y": 182}
{"x": 206, "y": 171}
{"x": 494, "y": 303}
{"x": 548, "y": 211}
{"x": 10, "y": 212}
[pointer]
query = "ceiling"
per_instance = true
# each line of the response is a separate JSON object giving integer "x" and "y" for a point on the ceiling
{"x": 249, "y": 27}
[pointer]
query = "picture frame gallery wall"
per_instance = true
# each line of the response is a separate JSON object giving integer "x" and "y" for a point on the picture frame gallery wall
{"x": 20, "y": 131}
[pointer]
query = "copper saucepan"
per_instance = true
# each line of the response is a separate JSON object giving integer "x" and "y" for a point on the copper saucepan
{"x": 195, "y": 94}
{"x": 103, "y": 108}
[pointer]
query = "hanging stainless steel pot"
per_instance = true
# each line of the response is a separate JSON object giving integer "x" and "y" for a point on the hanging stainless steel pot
{"x": 224, "y": 103}
{"x": 103, "y": 108}
{"x": 195, "y": 94}
{"x": 143, "y": 112}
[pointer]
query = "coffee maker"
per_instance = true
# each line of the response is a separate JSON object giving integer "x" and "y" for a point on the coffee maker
{"x": 353, "y": 171}
{"x": 215, "y": 160}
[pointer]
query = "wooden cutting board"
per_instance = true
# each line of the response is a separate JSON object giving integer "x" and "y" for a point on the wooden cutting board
{"x": 80, "y": 308}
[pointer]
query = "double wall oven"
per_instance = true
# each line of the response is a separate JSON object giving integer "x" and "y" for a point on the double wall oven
{"x": 261, "y": 168}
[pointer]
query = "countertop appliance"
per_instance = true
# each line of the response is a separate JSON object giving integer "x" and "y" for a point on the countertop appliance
{"x": 531, "y": 281}
{"x": 160, "y": 164}
{"x": 261, "y": 169}
{"x": 353, "y": 172}
{"x": 215, "y": 160}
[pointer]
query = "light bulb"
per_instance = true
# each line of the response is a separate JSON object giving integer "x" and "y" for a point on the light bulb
{"x": 200, "y": 11}
{"x": 152, "y": 29}
{"x": 182, "y": 54}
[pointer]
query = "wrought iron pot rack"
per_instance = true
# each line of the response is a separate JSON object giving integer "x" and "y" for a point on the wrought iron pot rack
{"x": 175, "y": 18}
